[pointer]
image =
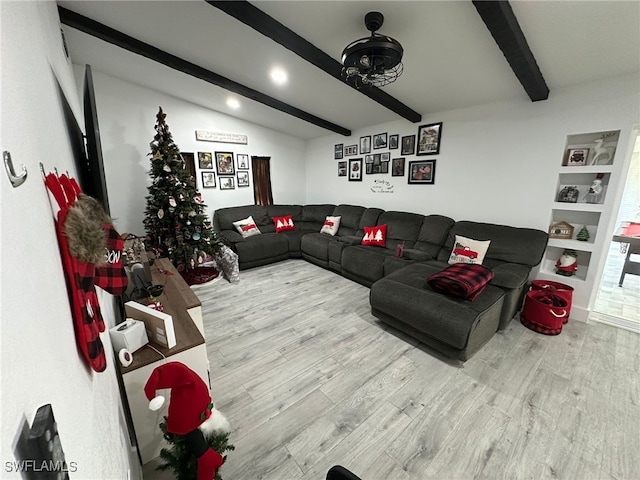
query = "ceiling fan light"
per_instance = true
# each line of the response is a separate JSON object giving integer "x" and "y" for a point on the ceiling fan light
{"x": 374, "y": 60}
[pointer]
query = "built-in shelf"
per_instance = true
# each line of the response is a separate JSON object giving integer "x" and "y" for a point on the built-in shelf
{"x": 586, "y": 157}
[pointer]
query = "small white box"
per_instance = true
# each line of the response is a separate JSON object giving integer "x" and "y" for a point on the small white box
{"x": 130, "y": 334}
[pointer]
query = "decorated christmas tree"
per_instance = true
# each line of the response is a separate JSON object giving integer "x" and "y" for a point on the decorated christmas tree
{"x": 179, "y": 458}
{"x": 175, "y": 220}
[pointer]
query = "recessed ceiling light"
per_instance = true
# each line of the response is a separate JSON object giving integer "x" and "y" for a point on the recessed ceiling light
{"x": 233, "y": 103}
{"x": 279, "y": 76}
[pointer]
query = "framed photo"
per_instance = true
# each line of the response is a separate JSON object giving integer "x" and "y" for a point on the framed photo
{"x": 577, "y": 157}
{"x": 355, "y": 170}
{"x": 385, "y": 156}
{"x": 205, "y": 160}
{"x": 243, "y": 162}
{"x": 397, "y": 167}
{"x": 422, "y": 171}
{"x": 365, "y": 144}
{"x": 350, "y": 150}
{"x": 380, "y": 140}
{"x": 368, "y": 158}
{"x": 337, "y": 151}
{"x": 408, "y": 145}
{"x": 243, "y": 179}
{"x": 342, "y": 169}
{"x": 393, "y": 142}
{"x": 227, "y": 183}
{"x": 208, "y": 180}
{"x": 429, "y": 139}
{"x": 224, "y": 164}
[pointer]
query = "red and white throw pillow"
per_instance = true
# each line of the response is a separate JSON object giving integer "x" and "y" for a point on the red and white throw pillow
{"x": 247, "y": 227}
{"x": 283, "y": 223}
{"x": 468, "y": 250}
{"x": 331, "y": 225}
{"x": 376, "y": 236}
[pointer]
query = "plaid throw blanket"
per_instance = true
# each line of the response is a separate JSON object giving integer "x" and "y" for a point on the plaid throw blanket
{"x": 462, "y": 280}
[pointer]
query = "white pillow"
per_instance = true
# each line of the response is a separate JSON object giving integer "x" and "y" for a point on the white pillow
{"x": 467, "y": 250}
{"x": 247, "y": 227}
{"x": 331, "y": 225}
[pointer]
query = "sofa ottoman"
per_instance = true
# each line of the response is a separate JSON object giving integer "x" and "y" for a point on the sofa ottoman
{"x": 453, "y": 326}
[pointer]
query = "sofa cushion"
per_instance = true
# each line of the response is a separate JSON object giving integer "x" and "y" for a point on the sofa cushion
{"x": 364, "y": 264}
{"x": 468, "y": 250}
{"x": 433, "y": 233}
{"x": 247, "y": 227}
{"x": 283, "y": 210}
{"x": 402, "y": 228}
{"x": 331, "y": 225}
{"x": 316, "y": 213}
{"x": 283, "y": 224}
{"x": 223, "y": 218}
{"x": 350, "y": 216}
{"x": 508, "y": 244}
{"x": 375, "y": 236}
{"x": 255, "y": 249}
{"x": 369, "y": 217}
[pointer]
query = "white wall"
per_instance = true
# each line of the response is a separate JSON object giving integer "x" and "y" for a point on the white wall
{"x": 127, "y": 116}
{"x": 497, "y": 163}
{"x": 40, "y": 362}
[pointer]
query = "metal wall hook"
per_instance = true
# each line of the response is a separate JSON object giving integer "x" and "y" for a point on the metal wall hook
{"x": 16, "y": 180}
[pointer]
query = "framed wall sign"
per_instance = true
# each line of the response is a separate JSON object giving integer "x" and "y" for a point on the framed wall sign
{"x": 429, "y": 139}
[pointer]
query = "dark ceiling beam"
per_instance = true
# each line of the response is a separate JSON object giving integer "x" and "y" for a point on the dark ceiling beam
{"x": 252, "y": 16}
{"x": 505, "y": 29}
{"x": 108, "y": 34}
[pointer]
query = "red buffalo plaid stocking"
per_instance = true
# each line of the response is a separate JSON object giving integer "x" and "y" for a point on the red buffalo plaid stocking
{"x": 111, "y": 276}
{"x": 79, "y": 275}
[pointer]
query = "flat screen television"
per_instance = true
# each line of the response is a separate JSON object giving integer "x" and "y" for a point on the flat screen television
{"x": 86, "y": 148}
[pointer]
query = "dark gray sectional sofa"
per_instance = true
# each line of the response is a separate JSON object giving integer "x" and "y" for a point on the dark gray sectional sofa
{"x": 399, "y": 295}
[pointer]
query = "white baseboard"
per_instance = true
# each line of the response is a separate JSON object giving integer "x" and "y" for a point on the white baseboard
{"x": 615, "y": 321}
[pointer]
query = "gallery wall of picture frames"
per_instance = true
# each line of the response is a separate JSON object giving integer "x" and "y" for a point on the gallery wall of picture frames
{"x": 418, "y": 172}
{"x": 222, "y": 169}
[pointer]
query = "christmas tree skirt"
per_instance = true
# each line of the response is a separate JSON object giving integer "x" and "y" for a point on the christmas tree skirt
{"x": 200, "y": 275}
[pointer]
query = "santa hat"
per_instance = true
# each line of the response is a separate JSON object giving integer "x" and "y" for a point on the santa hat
{"x": 190, "y": 402}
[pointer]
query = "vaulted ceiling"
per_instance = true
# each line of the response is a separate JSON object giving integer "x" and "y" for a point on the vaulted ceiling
{"x": 454, "y": 54}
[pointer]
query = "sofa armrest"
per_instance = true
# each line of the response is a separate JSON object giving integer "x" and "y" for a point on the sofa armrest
{"x": 417, "y": 255}
{"x": 510, "y": 275}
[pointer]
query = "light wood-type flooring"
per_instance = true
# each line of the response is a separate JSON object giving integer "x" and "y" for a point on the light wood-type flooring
{"x": 309, "y": 378}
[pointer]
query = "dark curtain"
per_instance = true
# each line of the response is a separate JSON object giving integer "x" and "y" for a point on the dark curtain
{"x": 261, "y": 180}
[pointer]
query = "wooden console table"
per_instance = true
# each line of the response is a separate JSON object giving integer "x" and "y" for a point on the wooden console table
{"x": 179, "y": 301}
{"x": 629, "y": 232}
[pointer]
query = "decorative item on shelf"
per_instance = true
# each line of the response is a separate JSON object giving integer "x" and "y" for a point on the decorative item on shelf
{"x": 577, "y": 157}
{"x": 583, "y": 234}
{"x": 154, "y": 292}
{"x": 603, "y": 152}
{"x": 373, "y": 61}
{"x": 594, "y": 193}
{"x": 562, "y": 230}
{"x": 568, "y": 194}
{"x": 567, "y": 264}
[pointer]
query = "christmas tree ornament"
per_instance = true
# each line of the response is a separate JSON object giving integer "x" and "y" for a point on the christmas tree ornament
{"x": 195, "y": 236}
{"x": 192, "y": 213}
{"x": 191, "y": 414}
{"x": 157, "y": 155}
{"x": 181, "y": 197}
{"x": 172, "y": 201}
{"x": 171, "y": 209}
{"x": 583, "y": 234}
{"x": 198, "y": 198}
{"x": 166, "y": 168}
{"x": 161, "y": 214}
